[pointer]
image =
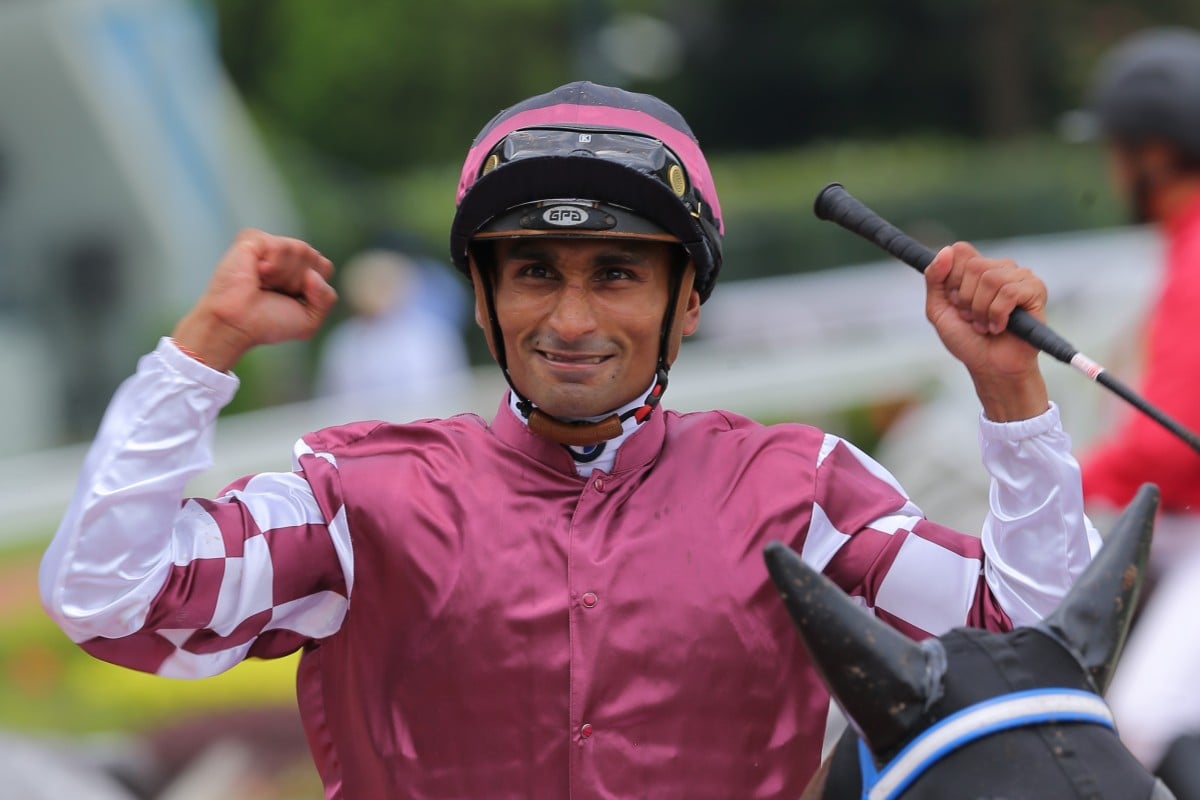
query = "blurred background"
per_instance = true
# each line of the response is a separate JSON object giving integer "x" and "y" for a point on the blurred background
{"x": 139, "y": 135}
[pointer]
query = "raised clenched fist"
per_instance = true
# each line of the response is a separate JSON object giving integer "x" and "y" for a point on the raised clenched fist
{"x": 265, "y": 289}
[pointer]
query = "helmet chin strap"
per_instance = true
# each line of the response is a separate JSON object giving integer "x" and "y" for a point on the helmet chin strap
{"x": 582, "y": 433}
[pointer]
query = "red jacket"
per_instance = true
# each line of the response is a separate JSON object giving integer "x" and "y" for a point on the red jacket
{"x": 1140, "y": 449}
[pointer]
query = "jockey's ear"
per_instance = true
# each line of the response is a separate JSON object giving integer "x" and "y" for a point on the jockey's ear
{"x": 1093, "y": 619}
{"x": 883, "y": 680}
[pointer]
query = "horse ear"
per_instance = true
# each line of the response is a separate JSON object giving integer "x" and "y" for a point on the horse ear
{"x": 1094, "y": 617}
{"x": 880, "y": 678}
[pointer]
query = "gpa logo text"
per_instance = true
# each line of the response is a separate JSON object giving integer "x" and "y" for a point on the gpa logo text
{"x": 564, "y": 216}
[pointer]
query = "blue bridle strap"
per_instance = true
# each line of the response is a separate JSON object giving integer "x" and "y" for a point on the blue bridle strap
{"x": 1016, "y": 710}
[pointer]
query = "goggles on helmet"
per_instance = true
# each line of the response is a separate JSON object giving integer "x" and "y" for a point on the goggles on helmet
{"x": 634, "y": 151}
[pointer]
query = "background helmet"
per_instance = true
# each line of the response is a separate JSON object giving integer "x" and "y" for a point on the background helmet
{"x": 590, "y": 160}
{"x": 1148, "y": 87}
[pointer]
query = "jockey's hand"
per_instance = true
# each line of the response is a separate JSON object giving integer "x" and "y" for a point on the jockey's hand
{"x": 265, "y": 289}
{"x": 968, "y": 299}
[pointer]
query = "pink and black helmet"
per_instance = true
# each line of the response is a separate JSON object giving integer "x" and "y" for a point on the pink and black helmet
{"x": 590, "y": 160}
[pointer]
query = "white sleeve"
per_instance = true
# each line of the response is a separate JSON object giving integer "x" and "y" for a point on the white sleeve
{"x": 112, "y": 551}
{"x": 1036, "y": 538}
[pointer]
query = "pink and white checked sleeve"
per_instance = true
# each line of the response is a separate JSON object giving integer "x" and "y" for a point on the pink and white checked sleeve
{"x": 189, "y": 590}
{"x": 870, "y": 538}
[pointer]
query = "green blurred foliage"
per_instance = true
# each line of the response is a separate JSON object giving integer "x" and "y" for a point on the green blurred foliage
{"x": 939, "y": 190}
{"x": 939, "y": 114}
{"x": 378, "y": 86}
{"x": 385, "y": 86}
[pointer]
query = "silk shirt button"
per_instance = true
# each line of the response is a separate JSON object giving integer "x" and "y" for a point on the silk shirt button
{"x": 585, "y": 730}
{"x": 590, "y": 599}
{"x": 599, "y": 484}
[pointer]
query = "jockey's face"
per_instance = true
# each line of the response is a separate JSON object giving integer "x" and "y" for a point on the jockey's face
{"x": 581, "y": 319}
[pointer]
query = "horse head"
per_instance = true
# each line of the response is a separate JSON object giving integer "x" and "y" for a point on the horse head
{"x": 973, "y": 713}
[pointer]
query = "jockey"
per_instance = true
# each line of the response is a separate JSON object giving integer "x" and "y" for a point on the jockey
{"x": 595, "y": 163}
{"x": 1146, "y": 95}
{"x": 569, "y": 599}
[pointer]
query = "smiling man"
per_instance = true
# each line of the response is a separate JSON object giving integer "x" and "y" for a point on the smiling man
{"x": 569, "y": 600}
{"x": 584, "y": 319}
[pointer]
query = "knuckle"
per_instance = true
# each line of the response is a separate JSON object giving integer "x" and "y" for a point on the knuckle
{"x": 1009, "y": 292}
{"x": 994, "y": 281}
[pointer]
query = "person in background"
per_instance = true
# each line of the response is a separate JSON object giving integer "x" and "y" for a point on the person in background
{"x": 1145, "y": 94}
{"x": 395, "y": 345}
{"x": 569, "y": 600}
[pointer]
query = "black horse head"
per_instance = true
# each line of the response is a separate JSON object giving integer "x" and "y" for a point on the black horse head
{"x": 978, "y": 714}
